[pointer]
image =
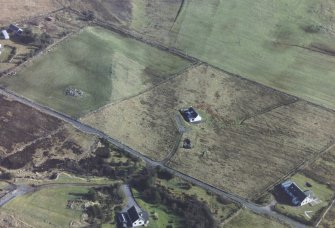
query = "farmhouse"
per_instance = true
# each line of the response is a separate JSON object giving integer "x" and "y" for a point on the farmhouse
{"x": 190, "y": 115}
{"x": 15, "y": 29}
{"x": 132, "y": 218}
{"x": 295, "y": 194}
{"x": 4, "y": 34}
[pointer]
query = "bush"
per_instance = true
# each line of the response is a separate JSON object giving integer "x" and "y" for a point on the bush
{"x": 6, "y": 176}
{"x": 91, "y": 195}
{"x": 265, "y": 199}
{"x": 164, "y": 174}
{"x": 103, "y": 152}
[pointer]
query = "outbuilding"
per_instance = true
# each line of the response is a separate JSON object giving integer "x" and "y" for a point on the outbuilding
{"x": 15, "y": 29}
{"x": 5, "y": 34}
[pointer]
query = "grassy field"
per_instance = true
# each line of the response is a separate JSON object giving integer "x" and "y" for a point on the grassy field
{"x": 40, "y": 209}
{"x": 248, "y": 219}
{"x": 220, "y": 211}
{"x": 163, "y": 215}
{"x": 105, "y": 66}
{"x": 246, "y": 158}
{"x": 243, "y": 158}
{"x": 288, "y": 45}
{"x": 321, "y": 191}
{"x": 5, "y": 53}
{"x": 329, "y": 219}
{"x": 15, "y": 11}
{"x": 150, "y": 127}
{"x": 154, "y": 18}
{"x": 323, "y": 170}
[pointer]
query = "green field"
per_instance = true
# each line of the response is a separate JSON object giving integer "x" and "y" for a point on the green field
{"x": 248, "y": 219}
{"x": 46, "y": 208}
{"x": 106, "y": 66}
{"x": 5, "y": 52}
{"x": 160, "y": 216}
{"x": 288, "y": 45}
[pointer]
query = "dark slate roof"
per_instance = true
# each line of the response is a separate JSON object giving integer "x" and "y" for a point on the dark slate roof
{"x": 189, "y": 113}
{"x": 133, "y": 215}
{"x": 14, "y": 28}
{"x": 294, "y": 192}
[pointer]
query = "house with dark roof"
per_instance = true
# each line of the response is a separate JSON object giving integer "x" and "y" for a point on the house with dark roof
{"x": 132, "y": 218}
{"x": 15, "y": 29}
{"x": 295, "y": 194}
{"x": 190, "y": 115}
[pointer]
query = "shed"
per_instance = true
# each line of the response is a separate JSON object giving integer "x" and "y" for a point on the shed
{"x": 5, "y": 34}
{"x": 15, "y": 29}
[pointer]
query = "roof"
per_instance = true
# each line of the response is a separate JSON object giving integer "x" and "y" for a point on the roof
{"x": 14, "y": 28}
{"x": 294, "y": 192}
{"x": 190, "y": 115}
{"x": 133, "y": 215}
{"x": 130, "y": 216}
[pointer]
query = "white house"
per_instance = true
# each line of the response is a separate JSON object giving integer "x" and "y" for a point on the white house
{"x": 132, "y": 218}
{"x": 190, "y": 115}
{"x": 296, "y": 195}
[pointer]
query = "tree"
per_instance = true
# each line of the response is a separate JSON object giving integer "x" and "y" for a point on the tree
{"x": 27, "y": 36}
{"x": 91, "y": 195}
{"x": 88, "y": 15}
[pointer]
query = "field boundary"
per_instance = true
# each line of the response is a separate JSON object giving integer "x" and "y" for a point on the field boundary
{"x": 325, "y": 213}
{"x": 295, "y": 170}
{"x": 172, "y": 77}
{"x": 21, "y": 66}
{"x": 269, "y": 109}
{"x": 140, "y": 37}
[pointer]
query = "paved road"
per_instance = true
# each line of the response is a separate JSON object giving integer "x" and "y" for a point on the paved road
{"x": 130, "y": 198}
{"x": 90, "y": 130}
{"x": 19, "y": 190}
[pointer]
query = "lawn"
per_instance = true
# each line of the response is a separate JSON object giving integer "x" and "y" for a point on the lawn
{"x": 321, "y": 191}
{"x": 105, "y": 66}
{"x": 46, "y": 208}
{"x": 5, "y": 53}
{"x": 288, "y": 45}
{"x": 159, "y": 215}
{"x": 248, "y": 219}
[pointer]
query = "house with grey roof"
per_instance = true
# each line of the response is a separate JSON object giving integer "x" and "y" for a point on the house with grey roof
{"x": 16, "y": 30}
{"x": 295, "y": 194}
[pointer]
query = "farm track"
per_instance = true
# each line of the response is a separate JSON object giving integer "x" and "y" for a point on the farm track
{"x": 90, "y": 130}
